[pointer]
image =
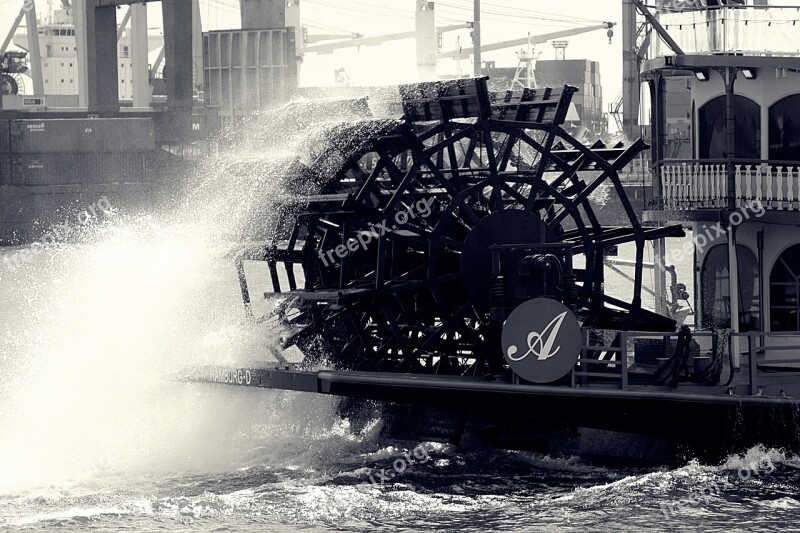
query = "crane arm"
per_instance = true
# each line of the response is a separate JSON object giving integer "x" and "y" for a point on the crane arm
{"x": 13, "y": 29}
{"x": 453, "y": 27}
{"x": 376, "y": 40}
{"x": 363, "y": 41}
{"x": 123, "y": 24}
{"x": 318, "y": 38}
{"x": 534, "y": 39}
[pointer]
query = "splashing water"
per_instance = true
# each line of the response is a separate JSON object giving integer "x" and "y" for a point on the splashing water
{"x": 93, "y": 327}
{"x": 93, "y": 433}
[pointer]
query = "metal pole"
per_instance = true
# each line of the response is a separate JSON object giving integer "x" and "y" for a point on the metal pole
{"x": 35, "y": 52}
{"x": 197, "y": 45}
{"x": 630, "y": 72}
{"x": 729, "y": 75}
{"x": 11, "y": 32}
{"x": 733, "y": 289}
{"x": 657, "y": 126}
{"x": 476, "y": 39}
{"x": 82, "y": 43}
{"x": 425, "y": 26}
{"x": 762, "y": 325}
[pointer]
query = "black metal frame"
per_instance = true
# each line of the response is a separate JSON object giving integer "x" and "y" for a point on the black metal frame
{"x": 399, "y": 303}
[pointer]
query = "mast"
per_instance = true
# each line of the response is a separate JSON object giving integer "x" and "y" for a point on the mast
{"x": 630, "y": 71}
{"x": 34, "y": 49}
{"x": 476, "y": 39}
{"x": 425, "y": 27}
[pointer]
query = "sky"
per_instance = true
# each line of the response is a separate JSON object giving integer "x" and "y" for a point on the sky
{"x": 395, "y": 62}
{"x": 501, "y": 20}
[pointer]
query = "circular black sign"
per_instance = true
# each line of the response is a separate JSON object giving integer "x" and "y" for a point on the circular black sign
{"x": 541, "y": 340}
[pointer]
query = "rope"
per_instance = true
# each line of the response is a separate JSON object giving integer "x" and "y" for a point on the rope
{"x": 725, "y": 335}
{"x": 679, "y": 362}
{"x": 711, "y": 374}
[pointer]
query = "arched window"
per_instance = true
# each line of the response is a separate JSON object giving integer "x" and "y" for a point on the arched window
{"x": 784, "y": 129}
{"x": 784, "y": 288}
{"x": 713, "y": 140}
{"x": 714, "y": 280}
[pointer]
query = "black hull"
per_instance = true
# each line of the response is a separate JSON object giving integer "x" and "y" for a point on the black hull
{"x": 703, "y": 423}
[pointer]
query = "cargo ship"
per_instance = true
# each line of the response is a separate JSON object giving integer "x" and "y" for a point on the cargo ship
{"x": 459, "y": 281}
{"x": 57, "y": 157}
{"x": 136, "y": 126}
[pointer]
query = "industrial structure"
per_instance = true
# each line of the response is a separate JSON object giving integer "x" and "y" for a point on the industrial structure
{"x": 67, "y": 143}
{"x": 85, "y": 63}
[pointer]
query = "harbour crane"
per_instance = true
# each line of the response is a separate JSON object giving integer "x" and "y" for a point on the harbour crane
{"x": 427, "y": 37}
{"x": 532, "y": 40}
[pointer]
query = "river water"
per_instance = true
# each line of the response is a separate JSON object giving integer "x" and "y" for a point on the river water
{"x": 94, "y": 435}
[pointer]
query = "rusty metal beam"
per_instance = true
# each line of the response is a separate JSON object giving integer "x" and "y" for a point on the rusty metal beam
{"x": 101, "y": 57}
{"x": 177, "y": 16}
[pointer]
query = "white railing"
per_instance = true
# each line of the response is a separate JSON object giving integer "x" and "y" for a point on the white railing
{"x": 704, "y": 185}
{"x": 750, "y": 30}
{"x": 694, "y": 185}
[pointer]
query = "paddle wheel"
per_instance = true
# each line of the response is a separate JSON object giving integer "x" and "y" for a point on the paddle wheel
{"x": 406, "y": 244}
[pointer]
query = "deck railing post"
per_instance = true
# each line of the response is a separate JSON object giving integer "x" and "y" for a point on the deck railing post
{"x": 623, "y": 357}
{"x": 751, "y": 344}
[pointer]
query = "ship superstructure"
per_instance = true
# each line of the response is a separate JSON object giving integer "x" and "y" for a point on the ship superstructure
{"x": 738, "y": 184}
{"x": 59, "y": 54}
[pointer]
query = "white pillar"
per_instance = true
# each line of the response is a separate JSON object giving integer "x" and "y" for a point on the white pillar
{"x": 142, "y": 90}
{"x": 427, "y": 46}
{"x": 293, "y": 21}
{"x": 733, "y": 288}
{"x": 79, "y": 18}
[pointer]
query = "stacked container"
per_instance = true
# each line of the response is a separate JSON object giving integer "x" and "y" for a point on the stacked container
{"x": 51, "y": 169}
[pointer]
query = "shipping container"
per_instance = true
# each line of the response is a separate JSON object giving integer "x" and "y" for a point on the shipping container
{"x": 29, "y": 212}
{"x": 4, "y": 139}
{"x": 248, "y": 70}
{"x": 68, "y": 135}
{"x": 73, "y": 169}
